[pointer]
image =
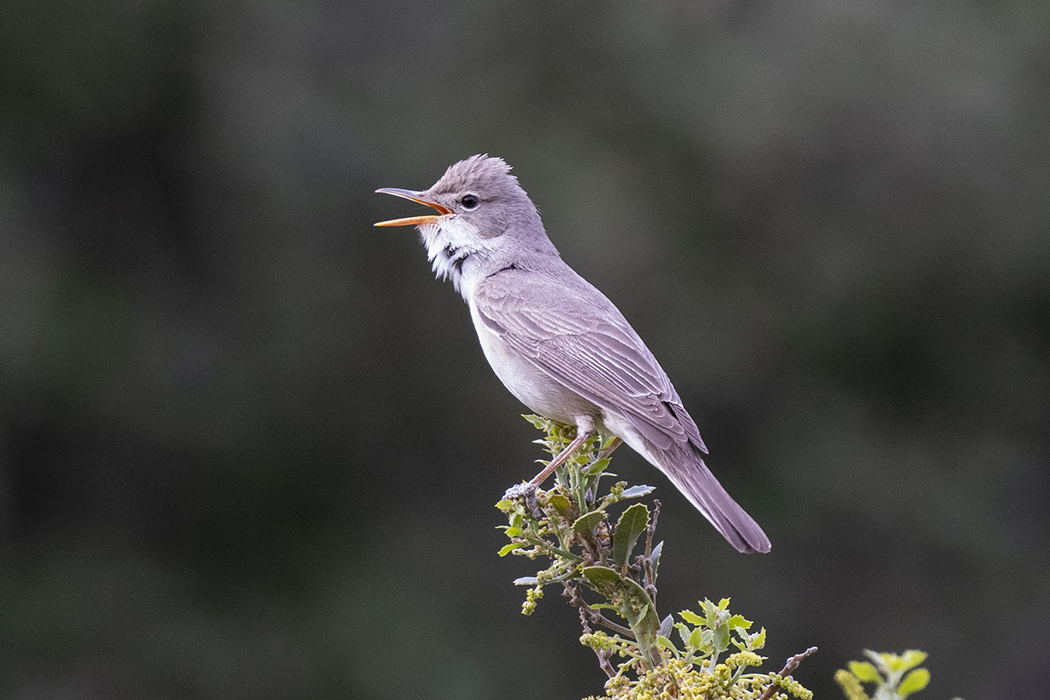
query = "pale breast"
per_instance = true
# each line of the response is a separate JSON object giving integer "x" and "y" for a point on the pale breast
{"x": 528, "y": 383}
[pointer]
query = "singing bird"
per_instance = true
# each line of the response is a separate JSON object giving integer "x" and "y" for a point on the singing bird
{"x": 556, "y": 342}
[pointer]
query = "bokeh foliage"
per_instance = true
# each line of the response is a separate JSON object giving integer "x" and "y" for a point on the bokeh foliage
{"x": 244, "y": 437}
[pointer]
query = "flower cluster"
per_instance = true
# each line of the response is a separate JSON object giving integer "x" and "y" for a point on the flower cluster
{"x": 608, "y": 565}
{"x": 678, "y": 680}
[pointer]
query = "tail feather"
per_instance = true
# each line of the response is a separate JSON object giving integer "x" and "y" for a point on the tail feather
{"x": 686, "y": 469}
{"x": 702, "y": 489}
{"x": 682, "y": 462}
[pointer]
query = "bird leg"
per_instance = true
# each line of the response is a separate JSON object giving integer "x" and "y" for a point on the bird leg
{"x": 584, "y": 429}
{"x": 560, "y": 459}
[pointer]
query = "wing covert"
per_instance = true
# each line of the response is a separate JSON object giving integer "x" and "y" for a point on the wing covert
{"x": 584, "y": 342}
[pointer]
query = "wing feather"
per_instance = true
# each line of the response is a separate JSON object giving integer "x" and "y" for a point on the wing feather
{"x": 583, "y": 341}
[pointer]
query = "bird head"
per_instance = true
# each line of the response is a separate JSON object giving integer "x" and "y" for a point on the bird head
{"x": 483, "y": 218}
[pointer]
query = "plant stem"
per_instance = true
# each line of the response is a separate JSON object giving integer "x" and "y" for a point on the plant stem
{"x": 790, "y": 666}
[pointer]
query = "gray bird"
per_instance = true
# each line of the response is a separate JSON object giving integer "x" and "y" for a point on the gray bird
{"x": 557, "y": 343}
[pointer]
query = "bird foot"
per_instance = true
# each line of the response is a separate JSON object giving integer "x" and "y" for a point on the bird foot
{"x": 519, "y": 490}
{"x": 528, "y": 492}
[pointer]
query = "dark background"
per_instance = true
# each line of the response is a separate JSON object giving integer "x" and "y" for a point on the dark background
{"x": 249, "y": 448}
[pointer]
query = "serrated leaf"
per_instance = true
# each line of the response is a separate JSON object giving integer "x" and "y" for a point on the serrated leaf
{"x": 692, "y": 618}
{"x": 913, "y": 682}
{"x": 710, "y": 614}
{"x": 738, "y": 622}
{"x": 758, "y": 640}
{"x": 507, "y": 549}
{"x": 585, "y": 524}
{"x": 637, "y": 491}
{"x": 537, "y": 421}
{"x": 865, "y": 671}
{"x": 526, "y": 581}
{"x": 630, "y": 527}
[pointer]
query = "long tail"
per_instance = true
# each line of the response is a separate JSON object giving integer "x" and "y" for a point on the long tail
{"x": 684, "y": 466}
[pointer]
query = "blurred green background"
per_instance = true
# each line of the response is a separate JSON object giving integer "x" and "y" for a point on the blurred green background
{"x": 249, "y": 448}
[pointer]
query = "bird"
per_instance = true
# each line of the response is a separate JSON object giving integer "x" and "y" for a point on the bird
{"x": 559, "y": 345}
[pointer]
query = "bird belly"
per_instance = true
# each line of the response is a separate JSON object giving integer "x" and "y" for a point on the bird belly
{"x": 529, "y": 383}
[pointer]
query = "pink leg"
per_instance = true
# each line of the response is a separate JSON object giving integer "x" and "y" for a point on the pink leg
{"x": 581, "y": 437}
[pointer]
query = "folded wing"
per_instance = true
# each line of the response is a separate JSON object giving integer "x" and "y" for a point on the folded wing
{"x": 583, "y": 341}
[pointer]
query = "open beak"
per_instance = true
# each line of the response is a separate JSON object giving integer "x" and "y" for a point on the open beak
{"x": 415, "y": 197}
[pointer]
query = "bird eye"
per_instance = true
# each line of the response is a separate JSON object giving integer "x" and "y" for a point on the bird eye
{"x": 469, "y": 201}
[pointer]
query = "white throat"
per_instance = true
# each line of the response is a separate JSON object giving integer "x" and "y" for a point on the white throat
{"x": 456, "y": 251}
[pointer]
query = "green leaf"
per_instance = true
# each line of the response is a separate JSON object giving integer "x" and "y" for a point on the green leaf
{"x": 708, "y": 609}
{"x": 637, "y": 491}
{"x": 865, "y": 671}
{"x": 560, "y": 503}
{"x": 912, "y": 658}
{"x": 738, "y": 622}
{"x": 596, "y": 467}
{"x": 710, "y": 614}
{"x": 696, "y": 639}
{"x": 567, "y": 555}
{"x": 604, "y": 580}
{"x": 666, "y": 643}
{"x": 538, "y": 422}
{"x": 913, "y": 682}
{"x": 510, "y": 548}
{"x": 692, "y": 618}
{"x": 721, "y": 638}
{"x": 632, "y": 524}
{"x": 631, "y": 601}
{"x": 585, "y": 524}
